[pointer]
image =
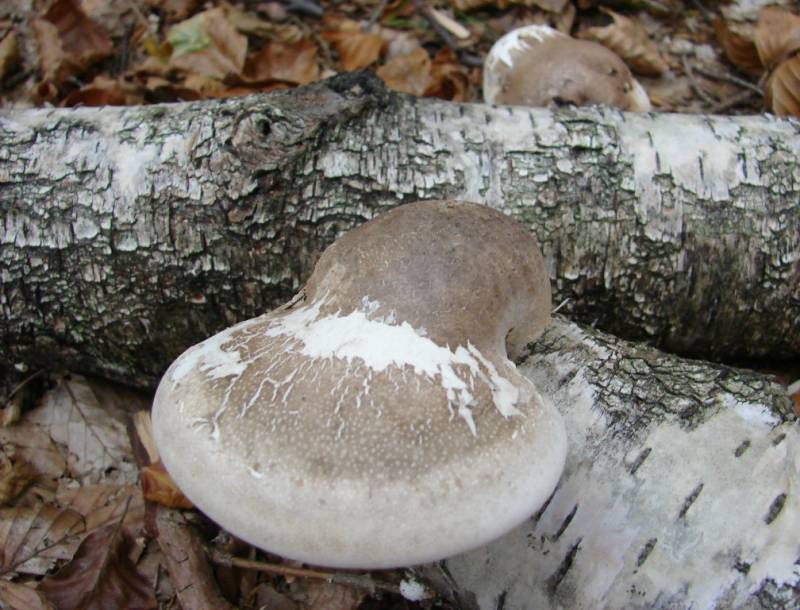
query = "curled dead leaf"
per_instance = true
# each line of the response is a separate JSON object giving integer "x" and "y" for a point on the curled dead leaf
{"x": 159, "y": 487}
{"x": 249, "y": 23}
{"x": 289, "y": 62}
{"x": 9, "y": 54}
{"x": 739, "y": 46}
{"x": 777, "y": 36}
{"x": 14, "y": 596}
{"x": 356, "y": 49}
{"x": 101, "y": 575}
{"x": 782, "y": 90}
{"x": 69, "y": 42}
{"x": 176, "y": 10}
{"x": 628, "y": 39}
{"x": 409, "y": 73}
{"x": 208, "y": 45}
{"x": 15, "y": 476}
{"x": 103, "y": 91}
{"x": 450, "y": 79}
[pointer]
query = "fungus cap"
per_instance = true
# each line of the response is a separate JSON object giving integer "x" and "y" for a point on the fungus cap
{"x": 538, "y": 66}
{"x": 375, "y": 420}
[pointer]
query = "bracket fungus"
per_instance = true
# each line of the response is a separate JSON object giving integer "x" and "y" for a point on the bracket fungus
{"x": 375, "y": 420}
{"x": 536, "y": 65}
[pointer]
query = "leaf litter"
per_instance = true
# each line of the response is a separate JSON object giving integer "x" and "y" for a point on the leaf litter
{"x": 722, "y": 59}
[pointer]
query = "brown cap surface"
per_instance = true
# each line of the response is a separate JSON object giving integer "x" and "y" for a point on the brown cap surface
{"x": 539, "y": 66}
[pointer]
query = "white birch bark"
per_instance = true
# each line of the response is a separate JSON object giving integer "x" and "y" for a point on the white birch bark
{"x": 130, "y": 233}
{"x": 680, "y": 489}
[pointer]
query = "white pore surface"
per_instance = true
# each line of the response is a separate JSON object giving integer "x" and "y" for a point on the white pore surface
{"x": 611, "y": 513}
{"x": 359, "y": 522}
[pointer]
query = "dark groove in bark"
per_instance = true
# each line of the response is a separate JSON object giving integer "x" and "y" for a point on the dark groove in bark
{"x": 566, "y": 522}
{"x": 690, "y": 499}
{"x": 744, "y": 446}
{"x": 640, "y": 460}
{"x": 559, "y": 575}
{"x": 645, "y": 552}
{"x": 775, "y": 508}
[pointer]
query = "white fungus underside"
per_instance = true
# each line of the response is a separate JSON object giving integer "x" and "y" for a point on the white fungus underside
{"x": 355, "y": 521}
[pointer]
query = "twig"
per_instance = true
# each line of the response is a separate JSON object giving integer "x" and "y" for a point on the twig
{"x": 687, "y": 69}
{"x": 739, "y": 98}
{"x": 360, "y": 581}
{"x": 424, "y": 9}
{"x": 730, "y": 78}
{"x": 377, "y": 13}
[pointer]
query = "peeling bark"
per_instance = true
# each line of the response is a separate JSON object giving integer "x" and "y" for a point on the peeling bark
{"x": 129, "y": 234}
{"x": 679, "y": 491}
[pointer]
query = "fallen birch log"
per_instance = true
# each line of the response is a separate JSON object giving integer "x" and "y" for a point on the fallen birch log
{"x": 130, "y": 233}
{"x": 680, "y": 489}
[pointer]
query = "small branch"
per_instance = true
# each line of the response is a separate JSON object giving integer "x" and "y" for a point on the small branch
{"x": 360, "y": 581}
{"x": 739, "y": 98}
{"x": 696, "y": 87}
{"x": 730, "y": 78}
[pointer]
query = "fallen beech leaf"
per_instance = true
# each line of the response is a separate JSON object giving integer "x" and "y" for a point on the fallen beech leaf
{"x": 69, "y": 42}
{"x": 176, "y": 10}
{"x": 321, "y": 595}
{"x": 449, "y": 77}
{"x": 101, "y": 504}
{"x": 100, "y": 576}
{"x": 103, "y": 91}
{"x": 15, "y": 476}
{"x": 159, "y": 487}
{"x": 628, "y": 39}
{"x": 409, "y": 73}
{"x": 94, "y": 434}
{"x": 292, "y": 63}
{"x": 248, "y": 23}
{"x": 777, "y": 36}
{"x": 207, "y": 44}
{"x": 739, "y": 46}
{"x": 14, "y": 596}
{"x": 356, "y": 49}
{"x": 33, "y": 537}
{"x": 9, "y": 54}
{"x": 782, "y": 90}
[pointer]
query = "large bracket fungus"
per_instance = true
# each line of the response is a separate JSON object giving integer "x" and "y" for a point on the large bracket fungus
{"x": 376, "y": 420}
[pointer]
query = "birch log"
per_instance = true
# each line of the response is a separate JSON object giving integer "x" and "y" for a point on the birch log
{"x": 680, "y": 490}
{"x": 130, "y": 233}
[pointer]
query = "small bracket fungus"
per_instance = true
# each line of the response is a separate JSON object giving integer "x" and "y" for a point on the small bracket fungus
{"x": 538, "y": 66}
{"x": 375, "y": 420}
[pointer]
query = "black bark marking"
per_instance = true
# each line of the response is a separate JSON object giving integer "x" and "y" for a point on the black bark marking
{"x": 538, "y": 514}
{"x": 566, "y": 522}
{"x": 742, "y": 448}
{"x": 778, "y": 439}
{"x": 501, "y": 601}
{"x": 555, "y": 579}
{"x": 640, "y": 460}
{"x": 741, "y": 566}
{"x": 690, "y": 499}
{"x": 645, "y": 552}
{"x": 775, "y": 508}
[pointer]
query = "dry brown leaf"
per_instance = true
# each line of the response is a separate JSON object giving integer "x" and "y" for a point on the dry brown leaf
{"x": 15, "y": 476}
{"x": 69, "y": 42}
{"x": 468, "y": 5}
{"x": 739, "y": 46}
{"x": 628, "y": 39}
{"x": 292, "y": 63}
{"x": 782, "y": 90}
{"x": 321, "y": 595}
{"x": 409, "y": 73}
{"x": 159, "y": 487}
{"x": 29, "y": 442}
{"x": 449, "y": 77}
{"x": 176, "y": 10}
{"x": 104, "y": 91}
{"x": 100, "y": 576}
{"x": 14, "y": 596}
{"x": 208, "y": 45}
{"x": 777, "y": 36}
{"x": 9, "y": 54}
{"x": 33, "y": 537}
{"x": 101, "y": 504}
{"x": 94, "y": 435}
{"x": 249, "y": 23}
{"x": 356, "y": 49}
